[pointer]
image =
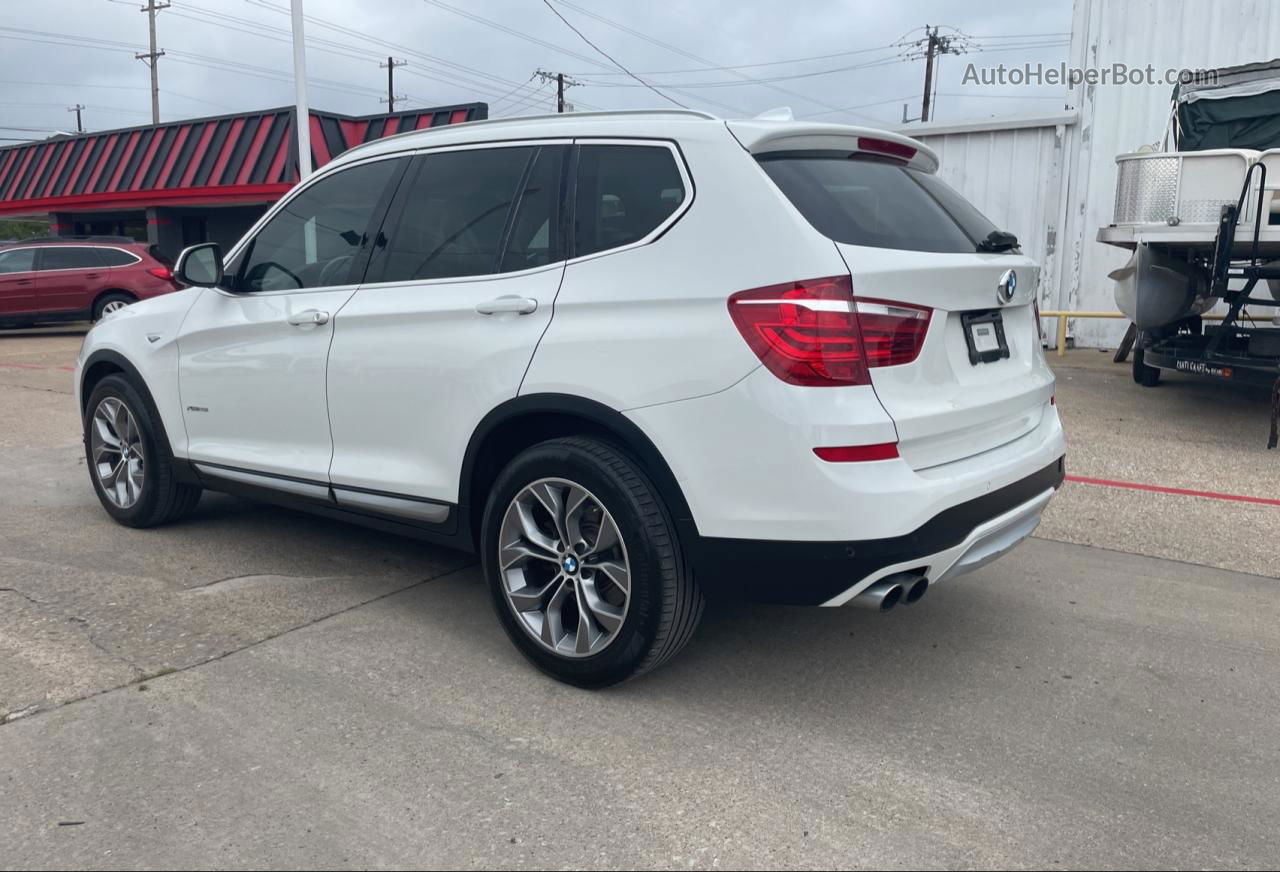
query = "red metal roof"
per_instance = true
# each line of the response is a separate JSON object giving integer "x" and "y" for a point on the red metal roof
{"x": 243, "y": 158}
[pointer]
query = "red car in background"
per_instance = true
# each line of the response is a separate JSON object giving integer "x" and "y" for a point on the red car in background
{"x": 77, "y": 278}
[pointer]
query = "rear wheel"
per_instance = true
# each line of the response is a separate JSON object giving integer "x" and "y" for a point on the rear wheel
{"x": 584, "y": 564}
{"x": 1147, "y": 376}
{"x": 112, "y": 302}
{"x": 131, "y": 469}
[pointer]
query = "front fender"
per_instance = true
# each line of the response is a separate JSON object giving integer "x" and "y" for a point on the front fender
{"x": 141, "y": 340}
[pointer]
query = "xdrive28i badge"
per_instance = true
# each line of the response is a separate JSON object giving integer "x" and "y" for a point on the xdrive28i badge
{"x": 1007, "y": 286}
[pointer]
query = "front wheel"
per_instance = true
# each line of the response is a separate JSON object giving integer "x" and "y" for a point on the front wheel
{"x": 584, "y": 564}
{"x": 129, "y": 464}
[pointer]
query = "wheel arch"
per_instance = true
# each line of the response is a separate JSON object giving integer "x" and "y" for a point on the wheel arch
{"x": 105, "y": 362}
{"x": 527, "y": 420}
{"x": 106, "y": 292}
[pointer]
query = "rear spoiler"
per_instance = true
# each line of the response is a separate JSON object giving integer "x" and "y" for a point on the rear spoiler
{"x": 760, "y": 136}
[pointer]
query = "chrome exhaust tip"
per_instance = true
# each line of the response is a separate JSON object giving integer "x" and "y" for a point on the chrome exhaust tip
{"x": 914, "y": 589}
{"x": 880, "y": 597}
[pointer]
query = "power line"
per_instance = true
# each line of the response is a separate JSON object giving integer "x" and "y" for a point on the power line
{"x": 730, "y": 67}
{"x": 693, "y": 57}
{"x": 859, "y": 106}
{"x": 611, "y": 59}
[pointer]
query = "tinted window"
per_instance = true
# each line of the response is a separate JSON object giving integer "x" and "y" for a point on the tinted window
{"x": 116, "y": 257}
{"x": 68, "y": 257}
{"x": 313, "y": 240}
{"x": 535, "y": 233}
{"x": 877, "y": 203}
{"x": 624, "y": 192}
{"x": 21, "y": 260}
{"x": 455, "y": 211}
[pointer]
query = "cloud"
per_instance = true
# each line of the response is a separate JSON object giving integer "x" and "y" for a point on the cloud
{"x": 232, "y": 55}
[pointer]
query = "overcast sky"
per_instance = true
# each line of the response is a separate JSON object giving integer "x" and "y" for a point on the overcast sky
{"x": 841, "y": 60}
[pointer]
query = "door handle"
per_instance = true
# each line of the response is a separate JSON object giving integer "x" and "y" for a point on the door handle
{"x": 309, "y": 318}
{"x": 518, "y": 305}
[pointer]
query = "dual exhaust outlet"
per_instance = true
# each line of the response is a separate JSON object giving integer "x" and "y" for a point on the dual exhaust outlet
{"x": 904, "y": 588}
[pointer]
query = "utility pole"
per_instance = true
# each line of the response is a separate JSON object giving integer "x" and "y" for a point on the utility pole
{"x": 390, "y": 67}
{"x": 77, "y": 109}
{"x": 150, "y": 57}
{"x": 563, "y": 82}
{"x": 934, "y": 45}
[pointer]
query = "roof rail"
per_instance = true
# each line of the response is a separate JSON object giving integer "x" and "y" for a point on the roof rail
{"x": 686, "y": 113}
{"x": 82, "y": 238}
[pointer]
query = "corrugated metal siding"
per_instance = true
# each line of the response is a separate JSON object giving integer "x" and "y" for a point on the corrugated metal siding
{"x": 1118, "y": 118}
{"x": 1012, "y": 176}
{"x": 253, "y": 153}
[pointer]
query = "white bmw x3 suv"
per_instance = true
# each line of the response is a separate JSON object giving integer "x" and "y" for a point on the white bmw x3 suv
{"x": 628, "y": 358}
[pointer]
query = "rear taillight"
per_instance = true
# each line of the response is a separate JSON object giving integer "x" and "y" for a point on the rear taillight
{"x": 893, "y": 333}
{"x": 161, "y": 272}
{"x": 815, "y": 333}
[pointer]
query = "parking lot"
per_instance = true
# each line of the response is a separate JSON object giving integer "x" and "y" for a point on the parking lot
{"x": 260, "y": 687}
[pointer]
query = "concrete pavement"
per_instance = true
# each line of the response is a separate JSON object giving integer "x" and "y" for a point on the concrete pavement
{"x": 256, "y": 687}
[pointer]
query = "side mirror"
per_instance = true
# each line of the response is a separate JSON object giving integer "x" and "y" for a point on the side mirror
{"x": 200, "y": 265}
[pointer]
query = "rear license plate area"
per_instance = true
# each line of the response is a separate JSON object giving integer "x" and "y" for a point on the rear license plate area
{"x": 984, "y": 334}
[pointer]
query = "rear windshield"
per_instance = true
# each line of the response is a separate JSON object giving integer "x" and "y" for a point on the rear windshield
{"x": 879, "y": 203}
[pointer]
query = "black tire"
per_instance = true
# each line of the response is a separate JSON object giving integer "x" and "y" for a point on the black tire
{"x": 1147, "y": 376}
{"x": 107, "y": 299}
{"x": 665, "y": 603}
{"x": 162, "y": 498}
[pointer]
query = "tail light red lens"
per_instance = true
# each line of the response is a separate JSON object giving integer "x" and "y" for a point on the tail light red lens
{"x": 161, "y": 272}
{"x": 858, "y": 453}
{"x": 814, "y": 332}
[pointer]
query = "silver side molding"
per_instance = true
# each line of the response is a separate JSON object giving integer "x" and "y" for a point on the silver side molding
{"x": 285, "y": 485}
{"x": 417, "y": 510}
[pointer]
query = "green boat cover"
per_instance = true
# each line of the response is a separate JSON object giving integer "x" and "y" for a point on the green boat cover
{"x": 1233, "y": 107}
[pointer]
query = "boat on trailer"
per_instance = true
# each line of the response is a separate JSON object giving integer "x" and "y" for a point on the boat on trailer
{"x": 1201, "y": 216}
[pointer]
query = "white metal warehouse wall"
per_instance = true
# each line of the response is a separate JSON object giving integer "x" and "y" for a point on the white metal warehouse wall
{"x": 1012, "y": 170}
{"x": 1188, "y": 34}
{"x": 1052, "y": 180}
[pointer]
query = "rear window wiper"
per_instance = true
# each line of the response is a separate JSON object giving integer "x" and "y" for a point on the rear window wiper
{"x": 998, "y": 240}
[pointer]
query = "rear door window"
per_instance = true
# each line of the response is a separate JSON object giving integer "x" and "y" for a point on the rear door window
{"x": 455, "y": 213}
{"x": 877, "y": 203}
{"x": 56, "y": 257}
{"x": 624, "y": 193}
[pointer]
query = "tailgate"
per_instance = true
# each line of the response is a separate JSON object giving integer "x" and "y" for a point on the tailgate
{"x": 947, "y": 407}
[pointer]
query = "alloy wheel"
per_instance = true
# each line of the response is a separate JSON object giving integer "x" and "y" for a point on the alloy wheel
{"x": 113, "y": 306}
{"x": 564, "y": 565}
{"x": 115, "y": 444}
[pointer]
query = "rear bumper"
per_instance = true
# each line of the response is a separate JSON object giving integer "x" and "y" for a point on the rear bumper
{"x": 960, "y": 539}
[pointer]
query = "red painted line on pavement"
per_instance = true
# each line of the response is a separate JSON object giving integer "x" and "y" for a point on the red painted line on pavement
{"x": 1152, "y": 488}
{"x": 36, "y": 366}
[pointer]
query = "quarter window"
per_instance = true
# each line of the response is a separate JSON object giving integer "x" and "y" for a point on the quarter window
{"x": 19, "y": 260}
{"x": 455, "y": 212}
{"x": 116, "y": 257}
{"x": 68, "y": 257}
{"x": 312, "y": 242}
{"x": 624, "y": 193}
